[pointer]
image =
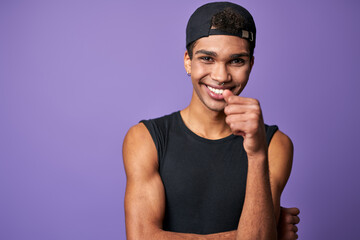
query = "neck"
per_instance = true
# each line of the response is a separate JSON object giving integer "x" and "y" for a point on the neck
{"x": 205, "y": 122}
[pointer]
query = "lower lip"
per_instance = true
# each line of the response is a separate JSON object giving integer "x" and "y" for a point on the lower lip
{"x": 214, "y": 95}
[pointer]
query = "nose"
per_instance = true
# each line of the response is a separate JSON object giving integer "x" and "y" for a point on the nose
{"x": 220, "y": 73}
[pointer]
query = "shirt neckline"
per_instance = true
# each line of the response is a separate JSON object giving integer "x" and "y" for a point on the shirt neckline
{"x": 199, "y": 138}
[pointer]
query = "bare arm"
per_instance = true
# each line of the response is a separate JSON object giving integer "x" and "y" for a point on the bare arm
{"x": 145, "y": 196}
{"x": 280, "y": 155}
{"x": 280, "y": 163}
{"x": 257, "y": 218}
{"x": 268, "y": 168}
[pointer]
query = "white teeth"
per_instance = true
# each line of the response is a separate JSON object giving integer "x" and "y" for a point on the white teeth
{"x": 215, "y": 90}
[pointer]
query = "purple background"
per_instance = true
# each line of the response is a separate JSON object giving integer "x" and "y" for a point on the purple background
{"x": 75, "y": 75}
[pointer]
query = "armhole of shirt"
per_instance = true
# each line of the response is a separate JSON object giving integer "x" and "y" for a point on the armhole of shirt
{"x": 155, "y": 135}
{"x": 270, "y": 131}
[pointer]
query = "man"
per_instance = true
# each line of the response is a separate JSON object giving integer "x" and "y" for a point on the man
{"x": 213, "y": 170}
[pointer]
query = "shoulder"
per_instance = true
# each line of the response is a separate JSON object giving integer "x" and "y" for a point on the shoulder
{"x": 136, "y": 132}
{"x": 144, "y": 129}
{"x": 281, "y": 144}
{"x": 162, "y": 119}
{"x": 138, "y": 149}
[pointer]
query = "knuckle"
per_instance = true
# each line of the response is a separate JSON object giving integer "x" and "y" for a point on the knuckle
{"x": 288, "y": 235}
{"x": 289, "y": 227}
{"x": 254, "y": 116}
{"x": 255, "y": 101}
{"x": 228, "y": 120}
{"x": 292, "y": 235}
{"x": 288, "y": 218}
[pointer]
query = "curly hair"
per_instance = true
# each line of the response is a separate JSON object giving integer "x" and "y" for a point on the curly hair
{"x": 227, "y": 20}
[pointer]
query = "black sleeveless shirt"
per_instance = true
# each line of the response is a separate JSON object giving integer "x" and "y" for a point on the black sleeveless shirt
{"x": 204, "y": 179}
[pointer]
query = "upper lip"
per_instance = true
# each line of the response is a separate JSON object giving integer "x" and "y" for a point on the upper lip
{"x": 219, "y": 87}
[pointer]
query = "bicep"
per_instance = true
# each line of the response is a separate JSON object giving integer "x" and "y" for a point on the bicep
{"x": 280, "y": 163}
{"x": 144, "y": 196}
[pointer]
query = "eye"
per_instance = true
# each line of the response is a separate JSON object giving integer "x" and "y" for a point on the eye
{"x": 206, "y": 59}
{"x": 237, "y": 61}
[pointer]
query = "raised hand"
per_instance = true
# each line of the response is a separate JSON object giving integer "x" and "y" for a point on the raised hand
{"x": 245, "y": 118}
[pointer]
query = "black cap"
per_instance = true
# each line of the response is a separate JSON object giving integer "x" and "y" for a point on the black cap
{"x": 199, "y": 24}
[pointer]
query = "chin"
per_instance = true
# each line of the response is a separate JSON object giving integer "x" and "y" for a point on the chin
{"x": 209, "y": 103}
{"x": 215, "y": 108}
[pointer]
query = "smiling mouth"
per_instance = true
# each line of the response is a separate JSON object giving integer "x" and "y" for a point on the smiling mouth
{"x": 218, "y": 91}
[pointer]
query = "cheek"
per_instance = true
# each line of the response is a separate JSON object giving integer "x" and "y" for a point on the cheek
{"x": 243, "y": 81}
{"x": 241, "y": 77}
{"x": 198, "y": 69}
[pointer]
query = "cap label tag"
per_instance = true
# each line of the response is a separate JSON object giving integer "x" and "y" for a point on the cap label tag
{"x": 248, "y": 35}
{"x": 242, "y": 33}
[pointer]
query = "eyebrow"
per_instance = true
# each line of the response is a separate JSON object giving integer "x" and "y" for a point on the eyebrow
{"x": 238, "y": 55}
{"x": 214, "y": 54}
{"x": 210, "y": 53}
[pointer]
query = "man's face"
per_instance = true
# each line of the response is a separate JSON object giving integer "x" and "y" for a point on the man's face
{"x": 219, "y": 62}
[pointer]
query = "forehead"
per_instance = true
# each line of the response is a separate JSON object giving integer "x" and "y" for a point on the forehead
{"x": 223, "y": 44}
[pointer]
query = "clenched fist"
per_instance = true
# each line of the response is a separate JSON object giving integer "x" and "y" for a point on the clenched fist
{"x": 245, "y": 118}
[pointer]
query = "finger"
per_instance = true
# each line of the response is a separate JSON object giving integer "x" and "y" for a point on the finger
{"x": 295, "y": 220}
{"x": 291, "y": 219}
{"x": 242, "y": 100}
{"x": 288, "y": 236}
{"x": 252, "y": 119}
{"x": 237, "y": 128}
{"x": 239, "y": 109}
{"x": 230, "y": 98}
{"x": 236, "y": 118}
{"x": 239, "y": 133}
{"x": 291, "y": 228}
{"x": 292, "y": 211}
{"x": 227, "y": 94}
{"x": 241, "y": 123}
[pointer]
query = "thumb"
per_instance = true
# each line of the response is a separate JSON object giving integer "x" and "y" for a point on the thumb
{"x": 226, "y": 94}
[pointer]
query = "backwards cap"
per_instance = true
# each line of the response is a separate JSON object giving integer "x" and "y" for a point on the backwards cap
{"x": 199, "y": 24}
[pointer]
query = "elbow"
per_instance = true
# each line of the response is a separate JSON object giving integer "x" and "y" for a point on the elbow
{"x": 142, "y": 232}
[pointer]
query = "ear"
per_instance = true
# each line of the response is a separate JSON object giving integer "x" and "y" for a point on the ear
{"x": 187, "y": 62}
{"x": 252, "y": 62}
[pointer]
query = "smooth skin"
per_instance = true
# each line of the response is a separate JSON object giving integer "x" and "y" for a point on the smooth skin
{"x": 217, "y": 59}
